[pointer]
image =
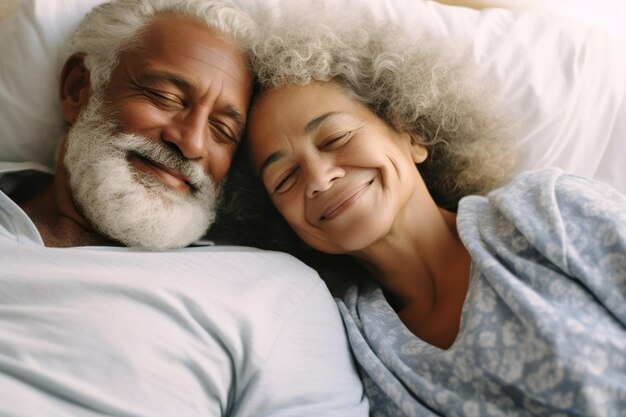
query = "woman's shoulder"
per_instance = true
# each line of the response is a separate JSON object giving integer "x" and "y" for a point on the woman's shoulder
{"x": 540, "y": 200}
{"x": 548, "y": 210}
{"x": 540, "y": 189}
{"x": 537, "y": 181}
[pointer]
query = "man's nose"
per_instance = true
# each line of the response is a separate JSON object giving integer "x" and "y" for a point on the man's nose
{"x": 190, "y": 133}
{"x": 320, "y": 175}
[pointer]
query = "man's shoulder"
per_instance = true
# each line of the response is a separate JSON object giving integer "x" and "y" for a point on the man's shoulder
{"x": 7, "y": 167}
{"x": 223, "y": 308}
{"x": 234, "y": 288}
{"x": 15, "y": 225}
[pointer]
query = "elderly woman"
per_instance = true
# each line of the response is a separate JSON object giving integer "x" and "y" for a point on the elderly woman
{"x": 511, "y": 303}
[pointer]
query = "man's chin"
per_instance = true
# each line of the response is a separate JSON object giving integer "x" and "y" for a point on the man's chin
{"x": 155, "y": 232}
{"x": 140, "y": 211}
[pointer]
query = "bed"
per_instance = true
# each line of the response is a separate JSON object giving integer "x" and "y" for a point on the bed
{"x": 562, "y": 80}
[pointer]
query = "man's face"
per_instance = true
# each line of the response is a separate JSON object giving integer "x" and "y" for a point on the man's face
{"x": 146, "y": 153}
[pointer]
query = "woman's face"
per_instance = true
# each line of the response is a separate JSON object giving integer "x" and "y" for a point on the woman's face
{"x": 337, "y": 172}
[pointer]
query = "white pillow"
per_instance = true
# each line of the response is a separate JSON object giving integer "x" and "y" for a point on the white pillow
{"x": 30, "y": 40}
{"x": 564, "y": 82}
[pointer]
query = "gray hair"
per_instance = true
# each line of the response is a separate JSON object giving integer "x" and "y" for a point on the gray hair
{"x": 419, "y": 85}
{"x": 112, "y": 27}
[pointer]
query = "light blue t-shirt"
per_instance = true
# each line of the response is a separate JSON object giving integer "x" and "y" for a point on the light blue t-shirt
{"x": 543, "y": 326}
{"x": 203, "y": 331}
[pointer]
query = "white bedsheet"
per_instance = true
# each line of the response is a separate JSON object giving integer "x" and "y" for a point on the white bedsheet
{"x": 206, "y": 331}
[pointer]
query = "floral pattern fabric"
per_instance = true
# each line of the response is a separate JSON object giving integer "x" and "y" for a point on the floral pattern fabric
{"x": 543, "y": 327}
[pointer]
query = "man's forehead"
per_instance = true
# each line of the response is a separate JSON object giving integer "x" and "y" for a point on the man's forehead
{"x": 186, "y": 48}
{"x": 172, "y": 35}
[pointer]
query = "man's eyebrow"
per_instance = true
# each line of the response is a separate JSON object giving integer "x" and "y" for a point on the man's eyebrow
{"x": 152, "y": 76}
{"x": 309, "y": 128}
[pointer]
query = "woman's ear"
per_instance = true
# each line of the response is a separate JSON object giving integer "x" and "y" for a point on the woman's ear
{"x": 75, "y": 87}
{"x": 419, "y": 152}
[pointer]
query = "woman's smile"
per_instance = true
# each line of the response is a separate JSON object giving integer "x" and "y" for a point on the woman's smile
{"x": 344, "y": 201}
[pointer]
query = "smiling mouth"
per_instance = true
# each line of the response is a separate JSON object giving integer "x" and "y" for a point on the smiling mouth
{"x": 168, "y": 176}
{"x": 336, "y": 209}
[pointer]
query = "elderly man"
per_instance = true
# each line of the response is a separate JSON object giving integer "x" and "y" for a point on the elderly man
{"x": 155, "y": 110}
{"x": 155, "y": 95}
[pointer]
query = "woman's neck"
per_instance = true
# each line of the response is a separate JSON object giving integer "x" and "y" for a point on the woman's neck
{"x": 423, "y": 269}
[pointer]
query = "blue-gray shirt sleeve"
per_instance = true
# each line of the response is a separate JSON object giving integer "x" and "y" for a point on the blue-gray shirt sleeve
{"x": 576, "y": 224}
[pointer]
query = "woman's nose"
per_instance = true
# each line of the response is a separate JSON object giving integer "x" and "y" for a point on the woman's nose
{"x": 320, "y": 176}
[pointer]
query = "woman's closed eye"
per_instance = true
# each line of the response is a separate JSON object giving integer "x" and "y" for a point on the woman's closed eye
{"x": 284, "y": 182}
{"x": 288, "y": 178}
{"x": 335, "y": 141}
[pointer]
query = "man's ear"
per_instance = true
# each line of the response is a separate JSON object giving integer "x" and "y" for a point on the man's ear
{"x": 75, "y": 87}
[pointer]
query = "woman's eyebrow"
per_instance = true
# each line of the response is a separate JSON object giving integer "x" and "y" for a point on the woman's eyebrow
{"x": 315, "y": 123}
{"x": 270, "y": 160}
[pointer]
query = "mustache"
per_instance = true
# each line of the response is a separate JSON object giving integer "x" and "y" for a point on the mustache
{"x": 165, "y": 154}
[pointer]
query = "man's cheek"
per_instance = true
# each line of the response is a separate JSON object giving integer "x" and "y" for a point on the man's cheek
{"x": 139, "y": 116}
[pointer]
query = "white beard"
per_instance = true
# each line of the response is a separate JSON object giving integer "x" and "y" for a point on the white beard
{"x": 128, "y": 205}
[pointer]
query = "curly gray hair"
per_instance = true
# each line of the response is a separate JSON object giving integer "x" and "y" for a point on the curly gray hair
{"x": 421, "y": 86}
{"x": 112, "y": 27}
